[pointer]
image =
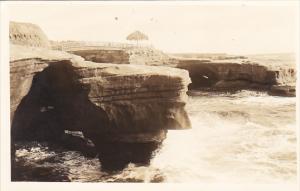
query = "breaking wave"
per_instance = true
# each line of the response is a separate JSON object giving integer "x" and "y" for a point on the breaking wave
{"x": 243, "y": 137}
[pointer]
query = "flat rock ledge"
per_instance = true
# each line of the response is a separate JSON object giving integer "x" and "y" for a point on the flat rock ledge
{"x": 275, "y": 75}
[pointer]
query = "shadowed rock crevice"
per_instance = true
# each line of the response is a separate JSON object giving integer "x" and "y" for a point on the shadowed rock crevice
{"x": 203, "y": 77}
{"x": 55, "y": 102}
{"x": 116, "y": 156}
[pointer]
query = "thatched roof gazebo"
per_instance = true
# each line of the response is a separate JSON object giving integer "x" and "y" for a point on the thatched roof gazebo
{"x": 137, "y": 36}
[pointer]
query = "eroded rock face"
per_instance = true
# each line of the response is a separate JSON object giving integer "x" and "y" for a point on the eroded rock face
{"x": 128, "y": 99}
{"x": 125, "y": 110}
{"x": 27, "y": 34}
{"x": 223, "y": 75}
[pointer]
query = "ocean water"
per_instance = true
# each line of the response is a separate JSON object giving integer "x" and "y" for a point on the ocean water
{"x": 245, "y": 137}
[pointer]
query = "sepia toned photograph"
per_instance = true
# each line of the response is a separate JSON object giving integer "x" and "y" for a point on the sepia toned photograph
{"x": 152, "y": 92}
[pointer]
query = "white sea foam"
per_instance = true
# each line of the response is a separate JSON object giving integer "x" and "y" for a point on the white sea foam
{"x": 246, "y": 137}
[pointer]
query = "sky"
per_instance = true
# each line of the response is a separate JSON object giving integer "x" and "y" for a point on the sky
{"x": 201, "y": 28}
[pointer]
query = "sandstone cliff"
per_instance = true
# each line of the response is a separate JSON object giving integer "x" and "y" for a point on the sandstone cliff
{"x": 125, "y": 110}
{"x": 121, "y": 108}
{"x": 212, "y": 72}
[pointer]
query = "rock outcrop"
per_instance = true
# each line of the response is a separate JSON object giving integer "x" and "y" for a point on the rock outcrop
{"x": 125, "y": 110}
{"x": 116, "y": 56}
{"x": 114, "y": 53}
{"x": 27, "y": 34}
{"x": 148, "y": 56}
{"x": 211, "y": 72}
{"x": 234, "y": 75}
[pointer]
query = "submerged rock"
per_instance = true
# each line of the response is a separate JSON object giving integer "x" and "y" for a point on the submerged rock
{"x": 283, "y": 90}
